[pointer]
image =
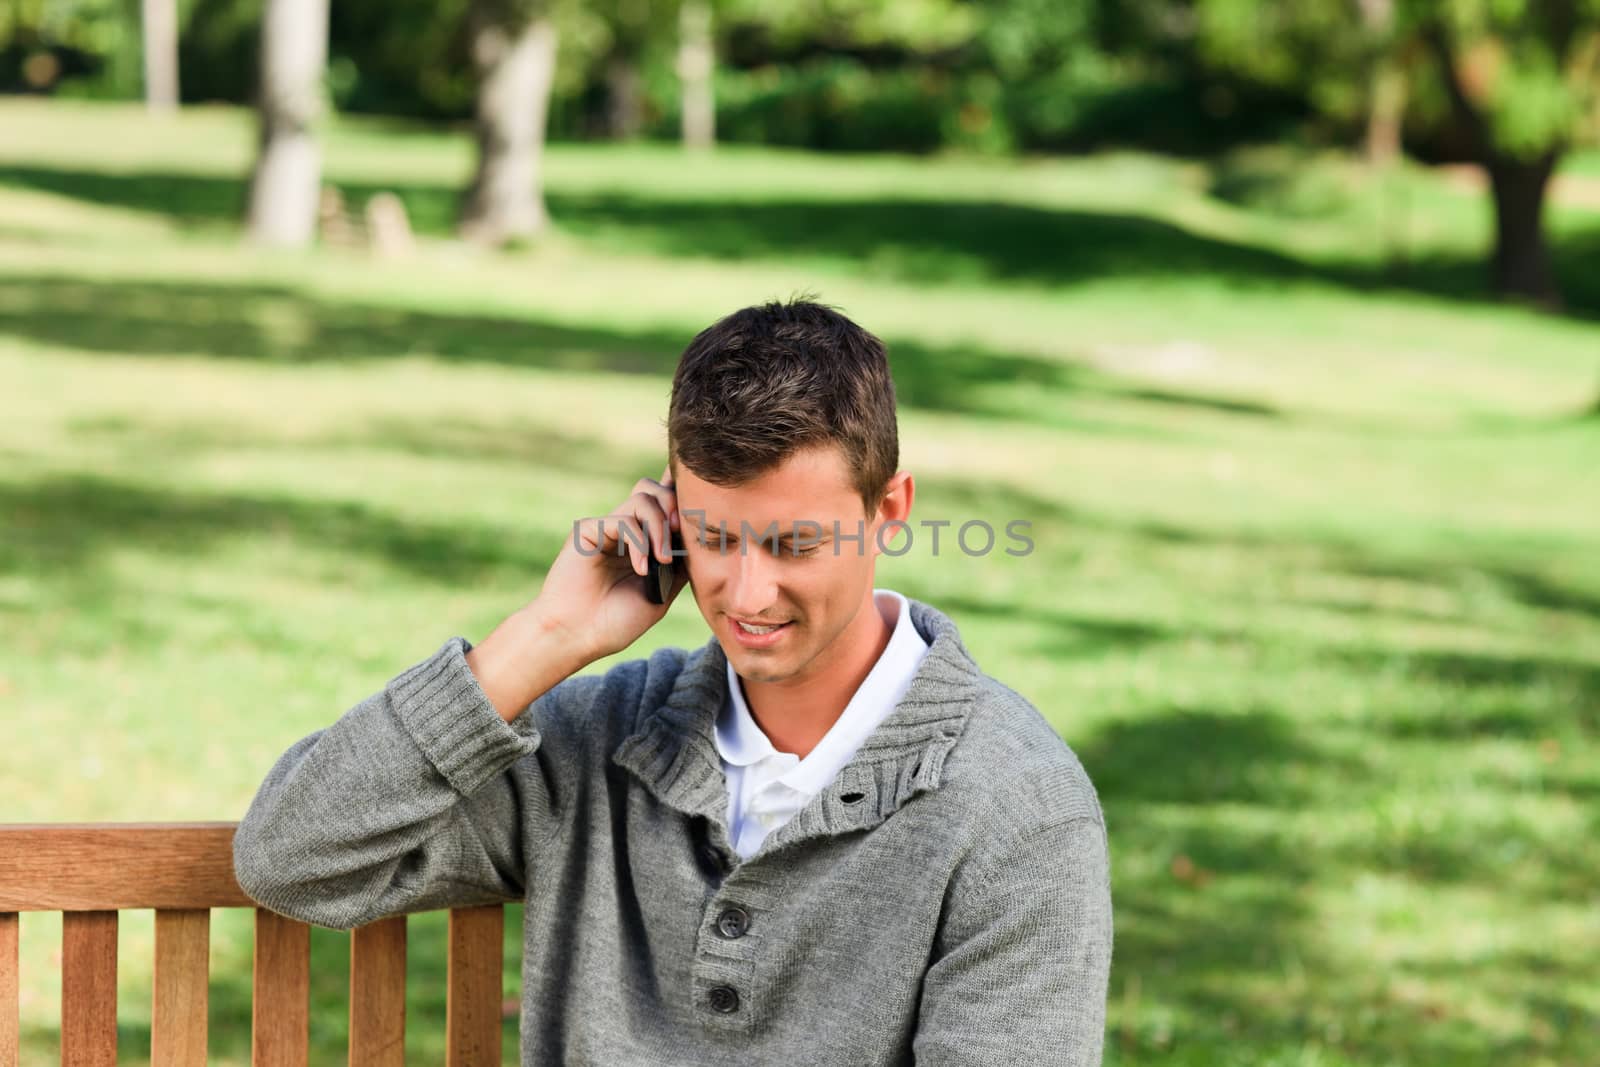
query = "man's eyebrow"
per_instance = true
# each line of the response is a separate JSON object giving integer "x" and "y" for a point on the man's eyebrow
{"x": 729, "y": 535}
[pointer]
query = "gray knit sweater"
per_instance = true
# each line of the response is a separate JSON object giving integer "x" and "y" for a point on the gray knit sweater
{"x": 946, "y": 900}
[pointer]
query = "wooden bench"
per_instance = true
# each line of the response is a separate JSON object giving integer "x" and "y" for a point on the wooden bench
{"x": 181, "y": 870}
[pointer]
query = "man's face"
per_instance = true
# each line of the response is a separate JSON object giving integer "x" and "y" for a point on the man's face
{"x": 758, "y": 575}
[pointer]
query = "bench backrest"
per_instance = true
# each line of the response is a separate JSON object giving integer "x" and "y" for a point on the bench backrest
{"x": 90, "y": 872}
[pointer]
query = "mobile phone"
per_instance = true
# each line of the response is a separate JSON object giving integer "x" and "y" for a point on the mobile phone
{"x": 658, "y": 577}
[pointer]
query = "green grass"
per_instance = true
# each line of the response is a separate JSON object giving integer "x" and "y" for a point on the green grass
{"x": 1315, "y": 591}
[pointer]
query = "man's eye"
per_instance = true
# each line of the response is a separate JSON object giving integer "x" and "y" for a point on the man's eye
{"x": 718, "y": 545}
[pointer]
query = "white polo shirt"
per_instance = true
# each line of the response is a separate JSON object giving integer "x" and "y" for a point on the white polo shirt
{"x": 767, "y": 787}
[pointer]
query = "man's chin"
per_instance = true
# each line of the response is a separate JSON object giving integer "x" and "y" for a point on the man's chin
{"x": 756, "y": 666}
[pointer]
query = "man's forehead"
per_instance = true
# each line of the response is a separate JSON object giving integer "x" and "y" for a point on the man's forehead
{"x": 809, "y": 489}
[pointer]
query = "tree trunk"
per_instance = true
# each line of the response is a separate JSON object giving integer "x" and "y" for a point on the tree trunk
{"x": 288, "y": 172}
{"x": 1386, "y": 111}
{"x": 516, "y": 65}
{"x": 1521, "y": 257}
{"x": 624, "y": 96}
{"x": 696, "y": 60}
{"x": 1386, "y": 99}
{"x": 159, "y": 20}
{"x": 1521, "y": 265}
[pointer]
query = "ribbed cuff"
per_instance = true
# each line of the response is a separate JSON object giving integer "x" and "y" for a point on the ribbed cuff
{"x": 453, "y": 721}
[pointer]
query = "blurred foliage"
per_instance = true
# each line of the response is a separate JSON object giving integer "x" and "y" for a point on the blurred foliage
{"x": 1319, "y": 49}
{"x": 995, "y": 76}
{"x": 81, "y": 44}
{"x": 1289, "y": 185}
{"x": 908, "y": 26}
{"x": 1530, "y": 69}
{"x": 835, "y": 103}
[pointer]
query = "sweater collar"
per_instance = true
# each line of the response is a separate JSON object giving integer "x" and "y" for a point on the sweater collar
{"x": 673, "y": 750}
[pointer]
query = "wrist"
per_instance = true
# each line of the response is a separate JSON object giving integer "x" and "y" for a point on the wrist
{"x": 563, "y": 638}
{"x": 527, "y": 655}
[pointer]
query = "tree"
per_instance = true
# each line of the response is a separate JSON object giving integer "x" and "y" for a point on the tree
{"x": 626, "y": 37}
{"x": 1520, "y": 76}
{"x": 696, "y": 61}
{"x": 513, "y": 46}
{"x": 288, "y": 172}
{"x": 159, "y": 23}
{"x": 1386, "y": 95}
{"x": 631, "y": 23}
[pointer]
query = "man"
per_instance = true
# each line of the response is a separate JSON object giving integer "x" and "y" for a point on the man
{"x": 833, "y": 842}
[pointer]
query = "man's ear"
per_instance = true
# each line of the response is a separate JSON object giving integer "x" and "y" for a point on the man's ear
{"x": 894, "y": 507}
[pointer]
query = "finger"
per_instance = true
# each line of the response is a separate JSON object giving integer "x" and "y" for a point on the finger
{"x": 653, "y": 504}
{"x": 594, "y": 535}
{"x": 665, "y": 495}
{"x": 664, "y": 492}
{"x": 619, "y": 533}
{"x": 672, "y": 509}
{"x": 631, "y": 532}
{"x": 648, "y": 510}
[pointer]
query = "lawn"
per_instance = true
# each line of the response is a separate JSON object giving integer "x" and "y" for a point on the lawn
{"x": 1315, "y": 592}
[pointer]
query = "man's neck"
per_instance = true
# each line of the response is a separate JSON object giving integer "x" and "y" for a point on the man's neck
{"x": 796, "y": 717}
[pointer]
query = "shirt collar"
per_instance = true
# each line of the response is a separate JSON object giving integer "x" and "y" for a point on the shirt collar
{"x": 671, "y": 750}
{"x": 741, "y": 742}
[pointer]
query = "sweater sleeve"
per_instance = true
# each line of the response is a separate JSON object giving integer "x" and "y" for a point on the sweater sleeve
{"x": 1022, "y": 963}
{"x": 407, "y": 803}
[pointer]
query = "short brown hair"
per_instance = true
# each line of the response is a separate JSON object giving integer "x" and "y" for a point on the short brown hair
{"x": 775, "y": 379}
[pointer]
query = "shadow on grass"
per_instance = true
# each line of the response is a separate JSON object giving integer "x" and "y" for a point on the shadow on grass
{"x": 516, "y": 441}
{"x": 1197, "y": 757}
{"x": 1063, "y": 634}
{"x": 64, "y": 524}
{"x": 1217, "y": 870}
{"x": 922, "y": 241}
{"x": 274, "y": 323}
{"x": 1525, "y": 584}
{"x": 1576, "y": 680}
{"x": 1233, "y": 828}
{"x": 1183, "y": 938}
{"x": 188, "y": 199}
{"x": 280, "y": 324}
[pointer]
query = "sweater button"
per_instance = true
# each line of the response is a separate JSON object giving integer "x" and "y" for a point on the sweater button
{"x": 724, "y": 999}
{"x": 733, "y": 922}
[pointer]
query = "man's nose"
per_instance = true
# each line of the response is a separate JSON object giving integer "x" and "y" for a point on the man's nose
{"x": 755, "y": 580}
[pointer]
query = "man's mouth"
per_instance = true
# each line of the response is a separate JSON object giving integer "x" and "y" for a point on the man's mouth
{"x": 751, "y": 628}
{"x": 757, "y": 635}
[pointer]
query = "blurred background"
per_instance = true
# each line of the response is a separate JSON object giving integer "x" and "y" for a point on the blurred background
{"x": 1278, "y": 321}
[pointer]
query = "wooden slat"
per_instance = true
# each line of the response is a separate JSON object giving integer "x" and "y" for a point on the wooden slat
{"x": 10, "y": 986}
{"x": 281, "y": 988}
{"x": 89, "y": 989}
{"x": 378, "y": 994}
{"x": 181, "y": 988}
{"x": 115, "y": 866}
{"x": 472, "y": 1004}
